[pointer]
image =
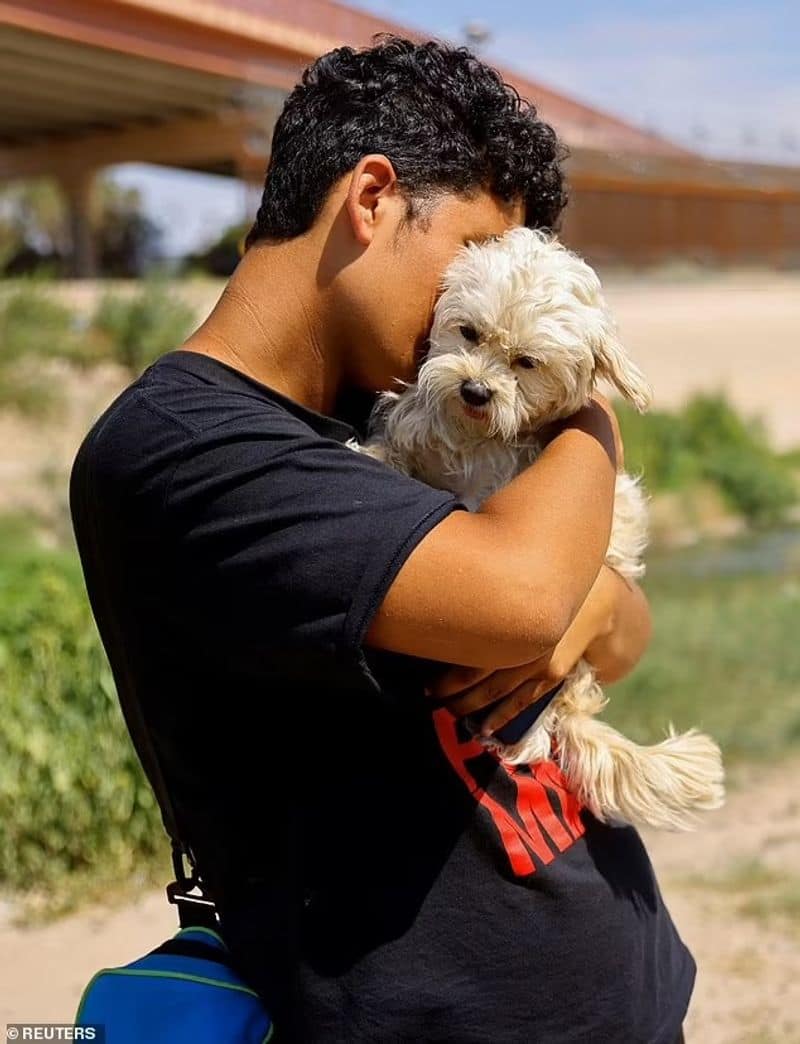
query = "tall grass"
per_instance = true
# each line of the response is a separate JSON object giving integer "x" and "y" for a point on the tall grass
{"x": 134, "y": 331}
{"x": 724, "y": 656}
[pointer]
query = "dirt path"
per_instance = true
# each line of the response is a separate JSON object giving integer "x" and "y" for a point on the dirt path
{"x": 733, "y": 890}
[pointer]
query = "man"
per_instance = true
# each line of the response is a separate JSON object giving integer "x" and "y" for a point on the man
{"x": 278, "y": 605}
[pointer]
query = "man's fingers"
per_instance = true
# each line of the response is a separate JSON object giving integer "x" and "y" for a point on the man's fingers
{"x": 490, "y": 689}
{"x": 516, "y": 702}
{"x": 456, "y": 680}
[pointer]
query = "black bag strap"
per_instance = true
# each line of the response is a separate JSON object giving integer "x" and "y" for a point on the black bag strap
{"x": 187, "y": 892}
{"x": 193, "y": 909}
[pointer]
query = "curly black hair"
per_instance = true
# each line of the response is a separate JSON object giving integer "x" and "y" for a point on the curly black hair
{"x": 445, "y": 119}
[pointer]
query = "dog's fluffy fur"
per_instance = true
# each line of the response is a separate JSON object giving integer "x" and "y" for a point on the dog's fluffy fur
{"x": 523, "y": 320}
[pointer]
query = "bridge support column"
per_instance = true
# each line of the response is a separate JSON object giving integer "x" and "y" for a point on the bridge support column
{"x": 77, "y": 187}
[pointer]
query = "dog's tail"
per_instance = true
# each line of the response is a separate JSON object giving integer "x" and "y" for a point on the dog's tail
{"x": 661, "y": 786}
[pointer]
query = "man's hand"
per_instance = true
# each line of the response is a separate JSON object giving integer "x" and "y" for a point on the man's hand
{"x": 611, "y": 629}
{"x": 549, "y": 431}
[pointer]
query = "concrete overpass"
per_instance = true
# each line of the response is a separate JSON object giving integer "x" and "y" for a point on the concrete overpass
{"x": 197, "y": 84}
{"x": 194, "y": 84}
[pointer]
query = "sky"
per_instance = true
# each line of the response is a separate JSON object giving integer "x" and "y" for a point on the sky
{"x": 720, "y": 77}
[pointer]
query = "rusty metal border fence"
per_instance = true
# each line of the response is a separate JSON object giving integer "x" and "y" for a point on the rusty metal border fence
{"x": 619, "y": 220}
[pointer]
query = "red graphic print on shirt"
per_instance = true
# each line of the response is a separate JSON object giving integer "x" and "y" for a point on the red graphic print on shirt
{"x": 535, "y": 815}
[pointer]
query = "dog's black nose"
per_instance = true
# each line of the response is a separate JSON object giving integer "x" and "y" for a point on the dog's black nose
{"x": 475, "y": 393}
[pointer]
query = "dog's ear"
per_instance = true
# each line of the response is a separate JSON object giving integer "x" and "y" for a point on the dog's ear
{"x": 613, "y": 363}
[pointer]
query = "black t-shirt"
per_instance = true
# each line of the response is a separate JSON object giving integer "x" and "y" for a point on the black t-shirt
{"x": 380, "y": 876}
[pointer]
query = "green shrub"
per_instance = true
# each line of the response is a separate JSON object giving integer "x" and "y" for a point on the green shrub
{"x": 656, "y": 444}
{"x": 708, "y": 440}
{"x": 33, "y": 327}
{"x": 73, "y": 798}
{"x": 736, "y": 455}
{"x": 33, "y": 322}
{"x": 137, "y": 329}
{"x": 756, "y": 485}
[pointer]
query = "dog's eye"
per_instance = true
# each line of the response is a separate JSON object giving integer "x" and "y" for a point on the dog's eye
{"x": 525, "y": 362}
{"x": 469, "y": 333}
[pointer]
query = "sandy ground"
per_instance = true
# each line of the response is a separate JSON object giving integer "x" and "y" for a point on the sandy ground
{"x": 740, "y": 333}
{"x": 733, "y": 890}
{"x": 748, "y": 986}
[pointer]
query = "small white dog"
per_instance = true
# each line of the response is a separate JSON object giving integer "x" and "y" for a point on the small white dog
{"x": 520, "y": 334}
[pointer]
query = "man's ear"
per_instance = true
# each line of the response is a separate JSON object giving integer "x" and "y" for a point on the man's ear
{"x": 613, "y": 364}
{"x": 372, "y": 181}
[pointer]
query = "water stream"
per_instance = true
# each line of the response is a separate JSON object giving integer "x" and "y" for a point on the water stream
{"x": 768, "y": 552}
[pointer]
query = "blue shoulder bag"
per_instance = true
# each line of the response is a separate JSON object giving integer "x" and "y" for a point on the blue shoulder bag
{"x": 184, "y": 990}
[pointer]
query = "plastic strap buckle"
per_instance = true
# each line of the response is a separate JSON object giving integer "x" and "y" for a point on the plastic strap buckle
{"x": 195, "y": 908}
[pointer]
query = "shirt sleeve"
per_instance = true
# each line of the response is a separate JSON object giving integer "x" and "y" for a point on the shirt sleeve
{"x": 285, "y": 539}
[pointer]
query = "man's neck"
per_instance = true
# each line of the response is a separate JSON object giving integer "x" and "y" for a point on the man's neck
{"x": 270, "y": 323}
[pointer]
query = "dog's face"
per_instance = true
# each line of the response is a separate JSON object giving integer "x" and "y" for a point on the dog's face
{"x": 520, "y": 334}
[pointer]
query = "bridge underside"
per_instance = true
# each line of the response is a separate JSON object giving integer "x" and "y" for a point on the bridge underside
{"x": 86, "y": 85}
{"x": 198, "y": 84}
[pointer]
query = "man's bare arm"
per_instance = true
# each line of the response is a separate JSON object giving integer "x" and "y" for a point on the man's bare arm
{"x": 499, "y": 587}
{"x": 611, "y": 630}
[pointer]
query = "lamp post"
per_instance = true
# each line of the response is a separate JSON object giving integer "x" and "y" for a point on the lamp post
{"x": 476, "y": 35}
